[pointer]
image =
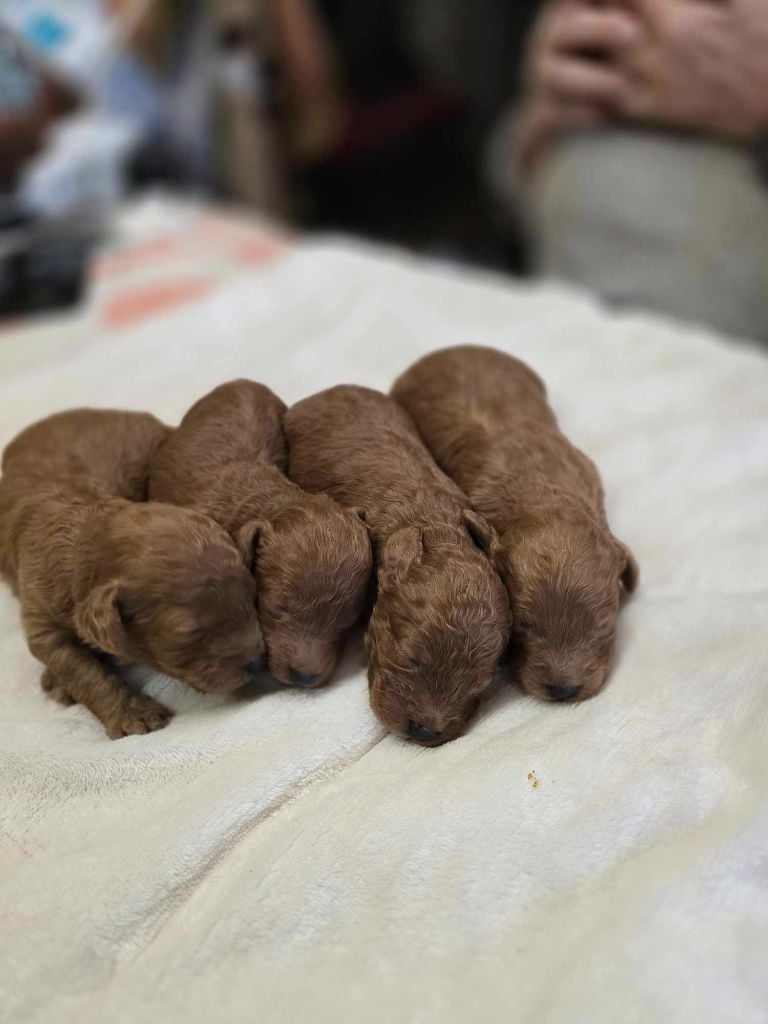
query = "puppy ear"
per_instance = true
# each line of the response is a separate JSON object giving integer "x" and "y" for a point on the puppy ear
{"x": 482, "y": 533}
{"x": 247, "y": 540}
{"x": 630, "y": 572}
{"x": 101, "y": 619}
{"x": 400, "y": 551}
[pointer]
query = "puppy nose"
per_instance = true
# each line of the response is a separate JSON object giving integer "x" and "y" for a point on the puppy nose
{"x": 424, "y": 733}
{"x": 561, "y": 692}
{"x": 302, "y": 678}
{"x": 256, "y": 666}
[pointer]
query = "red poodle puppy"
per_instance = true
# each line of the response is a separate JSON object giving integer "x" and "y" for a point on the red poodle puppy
{"x": 311, "y": 559}
{"x": 104, "y": 578}
{"x": 440, "y": 619}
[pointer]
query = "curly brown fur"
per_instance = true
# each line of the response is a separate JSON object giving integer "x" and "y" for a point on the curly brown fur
{"x": 102, "y": 577}
{"x": 439, "y": 623}
{"x": 485, "y": 418}
{"x": 311, "y": 559}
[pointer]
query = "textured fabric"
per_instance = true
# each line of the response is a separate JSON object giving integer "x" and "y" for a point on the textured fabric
{"x": 673, "y": 224}
{"x": 272, "y": 856}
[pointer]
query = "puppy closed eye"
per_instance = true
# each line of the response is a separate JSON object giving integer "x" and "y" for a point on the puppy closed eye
{"x": 193, "y": 636}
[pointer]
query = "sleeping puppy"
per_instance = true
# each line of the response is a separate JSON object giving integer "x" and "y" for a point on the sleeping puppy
{"x": 311, "y": 560}
{"x": 485, "y": 418}
{"x": 101, "y": 576}
{"x": 439, "y": 623}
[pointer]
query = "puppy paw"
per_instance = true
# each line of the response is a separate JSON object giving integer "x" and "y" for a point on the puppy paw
{"x": 54, "y": 689}
{"x": 138, "y": 715}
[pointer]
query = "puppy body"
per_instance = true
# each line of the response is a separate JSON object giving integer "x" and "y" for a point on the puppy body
{"x": 99, "y": 574}
{"x": 102, "y": 451}
{"x": 311, "y": 559}
{"x": 439, "y": 623}
{"x": 486, "y": 419}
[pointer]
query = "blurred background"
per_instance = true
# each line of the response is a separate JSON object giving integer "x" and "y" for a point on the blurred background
{"x": 620, "y": 145}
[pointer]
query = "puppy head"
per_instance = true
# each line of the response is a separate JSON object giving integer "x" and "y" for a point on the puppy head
{"x": 438, "y": 629}
{"x": 177, "y": 597}
{"x": 313, "y": 563}
{"x": 567, "y": 580}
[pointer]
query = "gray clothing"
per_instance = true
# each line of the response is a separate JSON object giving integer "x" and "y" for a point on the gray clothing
{"x": 651, "y": 220}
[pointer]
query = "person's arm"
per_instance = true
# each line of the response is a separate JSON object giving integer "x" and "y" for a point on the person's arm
{"x": 309, "y": 70}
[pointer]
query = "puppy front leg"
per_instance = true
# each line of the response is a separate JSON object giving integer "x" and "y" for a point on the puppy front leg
{"x": 74, "y": 674}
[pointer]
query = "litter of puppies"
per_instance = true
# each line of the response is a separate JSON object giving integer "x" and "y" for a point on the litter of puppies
{"x": 453, "y": 516}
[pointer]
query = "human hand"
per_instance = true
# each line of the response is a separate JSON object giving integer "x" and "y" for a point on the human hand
{"x": 574, "y": 75}
{"x": 702, "y": 66}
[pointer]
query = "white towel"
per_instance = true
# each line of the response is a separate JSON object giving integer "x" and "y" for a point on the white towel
{"x": 274, "y": 857}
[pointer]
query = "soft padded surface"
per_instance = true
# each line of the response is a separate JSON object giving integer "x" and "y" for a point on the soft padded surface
{"x": 274, "y": 857}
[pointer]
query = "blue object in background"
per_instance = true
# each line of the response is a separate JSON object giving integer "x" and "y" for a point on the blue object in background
{"x": 46, "y": 31}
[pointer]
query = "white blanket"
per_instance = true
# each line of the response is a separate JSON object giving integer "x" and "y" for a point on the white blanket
{"x": 275, "y": 857}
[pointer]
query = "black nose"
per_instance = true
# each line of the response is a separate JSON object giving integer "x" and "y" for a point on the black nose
{"x": 563, "y": 692}
{"x": 417, "y": 731}
{"x": 256, "y": 666}
{"x": 302, "y": 678}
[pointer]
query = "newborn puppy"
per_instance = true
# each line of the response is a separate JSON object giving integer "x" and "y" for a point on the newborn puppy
{"x": 485, "y": 418}
{"x": 439, "y": 623}
{"x": 98, "y": 574}
{"x": 312, "y": 560}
